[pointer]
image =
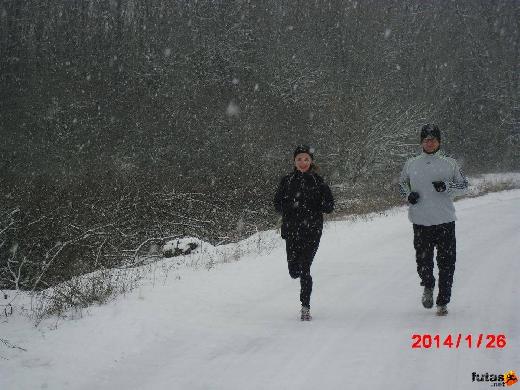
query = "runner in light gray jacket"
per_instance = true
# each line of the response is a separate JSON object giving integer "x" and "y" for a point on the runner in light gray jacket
{"x": 429, "y": 182}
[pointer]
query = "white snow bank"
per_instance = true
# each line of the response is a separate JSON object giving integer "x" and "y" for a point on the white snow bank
{"x": 493, "y": 182}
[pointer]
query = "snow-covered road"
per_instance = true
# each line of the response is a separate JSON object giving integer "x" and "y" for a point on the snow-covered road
{"x": 237, "y": 327}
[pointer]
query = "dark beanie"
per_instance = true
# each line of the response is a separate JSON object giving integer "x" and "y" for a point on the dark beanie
{"x": 303, "y": 149}
{"x": 430, "y": 130}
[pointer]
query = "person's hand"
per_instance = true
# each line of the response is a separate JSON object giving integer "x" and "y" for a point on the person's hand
{"x": 440, "y": 186}
{"x": 413, "y": 198}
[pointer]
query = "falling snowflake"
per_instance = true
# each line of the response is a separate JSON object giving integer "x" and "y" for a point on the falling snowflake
{"x": 232, "y": 109}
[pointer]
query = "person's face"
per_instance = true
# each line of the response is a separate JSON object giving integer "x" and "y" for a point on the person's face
{"x": 302, "y": 162}
{"x": 430, "y": 144}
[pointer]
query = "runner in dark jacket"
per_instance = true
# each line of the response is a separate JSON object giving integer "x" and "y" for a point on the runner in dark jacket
{"x": 302, "y": 197}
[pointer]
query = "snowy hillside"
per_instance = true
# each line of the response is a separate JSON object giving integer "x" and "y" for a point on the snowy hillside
{"x": 236, "y": 326}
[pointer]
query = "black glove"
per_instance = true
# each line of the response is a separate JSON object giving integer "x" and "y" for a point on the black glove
{"x": 440, "y": 186}
{"x": 413, "y": 198}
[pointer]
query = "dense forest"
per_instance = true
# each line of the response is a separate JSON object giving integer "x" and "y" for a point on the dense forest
{"x": 123, "y": 122}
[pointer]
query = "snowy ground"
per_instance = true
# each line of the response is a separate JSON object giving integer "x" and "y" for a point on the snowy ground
{"x": 493, "y": 182}
{"x": 236, "y": 326}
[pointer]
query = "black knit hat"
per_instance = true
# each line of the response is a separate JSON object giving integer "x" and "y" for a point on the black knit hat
{"x": 303, "y": 149}
{"x": 430, "y": 130}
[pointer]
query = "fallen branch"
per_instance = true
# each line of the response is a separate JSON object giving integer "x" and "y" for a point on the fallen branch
{"x": 9, "y": 345}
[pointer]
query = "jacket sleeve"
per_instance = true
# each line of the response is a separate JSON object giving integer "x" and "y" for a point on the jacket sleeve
{"x": 279, "y": 195}
{"x": 458, "y": 184}
{"x": 327, "y": 202}
{"x": 404, "y": 182}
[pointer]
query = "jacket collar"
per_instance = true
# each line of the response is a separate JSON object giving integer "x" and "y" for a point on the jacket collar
{"x": 438, "y": 153}
{"x": 296, "y": 172}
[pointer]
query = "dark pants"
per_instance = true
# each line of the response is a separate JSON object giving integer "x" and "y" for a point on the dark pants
{"x": 300, "y": 254}
{"x": 442, "y": 237}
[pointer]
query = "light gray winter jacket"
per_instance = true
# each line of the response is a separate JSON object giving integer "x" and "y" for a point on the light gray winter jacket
{"x": 433, "y": 208}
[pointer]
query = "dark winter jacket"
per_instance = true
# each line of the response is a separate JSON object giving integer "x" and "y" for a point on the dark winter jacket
{"x": 302, "y": 198}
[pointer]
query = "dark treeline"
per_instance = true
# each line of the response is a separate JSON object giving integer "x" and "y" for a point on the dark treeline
{"x": 122, "y": 121}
